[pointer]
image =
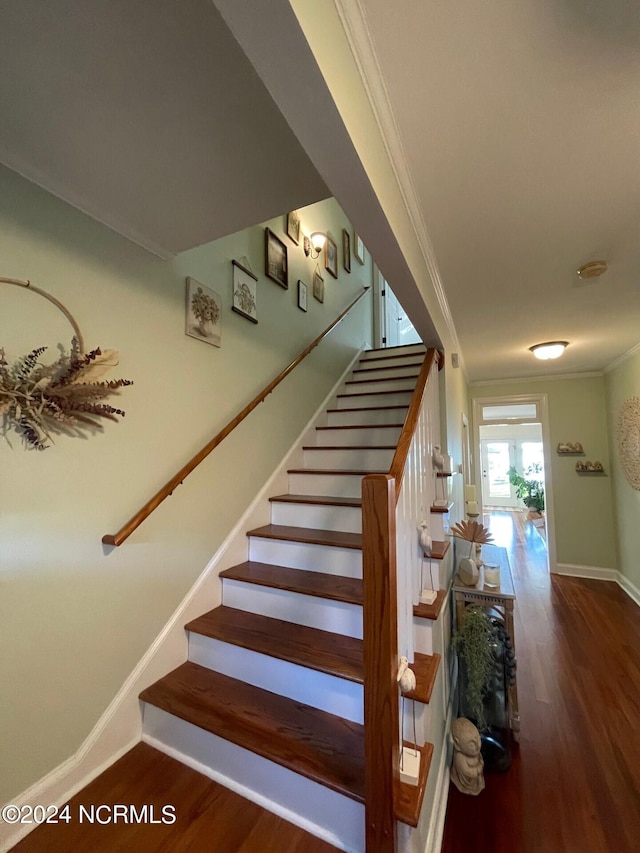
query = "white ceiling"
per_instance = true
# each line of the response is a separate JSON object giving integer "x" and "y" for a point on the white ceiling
{"x": 520, "y": 124}
{"x": 148, "y": 116}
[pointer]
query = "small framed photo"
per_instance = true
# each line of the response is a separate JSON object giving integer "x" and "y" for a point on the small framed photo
{"x": 203, "y": 312}
{"x": 275, "y": 259}
{"x": 293, "y": 226}
{"x": 358, "y": 247}
{"x": 346, "y": 250}
{"x": 318, "y": 286}
{"x": 302, "y": 295}
{"x": 245, "y": 285}
{"x": 331, "y": 257}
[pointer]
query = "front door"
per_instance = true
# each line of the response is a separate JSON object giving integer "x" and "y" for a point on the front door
{"x": 497, "y": 457}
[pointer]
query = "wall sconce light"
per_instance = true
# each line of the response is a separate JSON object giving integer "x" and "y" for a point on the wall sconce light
{"x": 550, "y": 349}
{"x": 314, "y": 244}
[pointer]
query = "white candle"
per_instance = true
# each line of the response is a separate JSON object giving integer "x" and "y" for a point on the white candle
{"x": 472, "y": 507}
{"x": 469, "y": 493}
{"x": 491, "y": 575}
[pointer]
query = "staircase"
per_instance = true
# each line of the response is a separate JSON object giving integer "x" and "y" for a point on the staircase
{"x": 270, "y": 701}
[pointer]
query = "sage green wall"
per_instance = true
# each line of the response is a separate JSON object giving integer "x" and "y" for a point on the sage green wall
{"x": 74, "y": 620}
{"x": 584, "y": 520}
{"x": 622, "y": 383}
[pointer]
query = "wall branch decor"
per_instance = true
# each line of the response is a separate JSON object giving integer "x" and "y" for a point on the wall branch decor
{"x": 629, "y": 440}
{"x": 66, "y": 396}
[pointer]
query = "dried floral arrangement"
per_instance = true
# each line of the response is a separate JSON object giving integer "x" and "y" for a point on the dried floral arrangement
{"x": 37, "y": 399}
{"x": 204, "y": 307}
{"x": 472, "y": 531}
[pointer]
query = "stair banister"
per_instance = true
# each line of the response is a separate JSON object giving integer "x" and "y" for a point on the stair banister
{"x": 135, "y": 521}
{"x": 386, "y": 499}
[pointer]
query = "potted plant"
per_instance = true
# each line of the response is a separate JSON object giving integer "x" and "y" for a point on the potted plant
{"x": 473, "y": 641}
{"x": 530, "y": 491}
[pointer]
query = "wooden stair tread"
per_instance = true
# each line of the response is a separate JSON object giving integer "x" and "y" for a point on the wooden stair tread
{"x": 318, "y": 745}
{"x": 323, "y": 651}
{"x": 321, "y": 500}
{"x": 362, "y": 426}
{"x": 367, "y": 408}
{"x": 439, "y": 549}
{"x": 395, "y": 349}
{"x": 309, "y": 535}
{"x": 431, "y": 611}
{"x": 333, "y": 471}
{"x": 425, "y": 668}
{"x": 390, "y": 379}
{"x": 442, "y": 509}
{"x": 417, "y": 365}
{"x": 378, "y": 394}
{"x": 407, "y": 799}
{"x": 349, "y": 447}
{"x": 334, "y": 587}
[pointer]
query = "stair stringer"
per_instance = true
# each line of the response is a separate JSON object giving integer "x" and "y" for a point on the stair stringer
{"x": 120, "y": 726}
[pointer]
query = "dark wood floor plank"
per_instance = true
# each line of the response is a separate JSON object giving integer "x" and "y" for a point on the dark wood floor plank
{"x": 334, "y": 654}
{"x": 319, "y": 584}
{"x": 573, "y": 784}
{"x": 309, "y": 535}
{"x": 208, "y": 816}
{"x": 320, "y": 746}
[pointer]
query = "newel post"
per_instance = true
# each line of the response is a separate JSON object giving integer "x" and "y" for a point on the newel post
{"x": 381, "y": 718}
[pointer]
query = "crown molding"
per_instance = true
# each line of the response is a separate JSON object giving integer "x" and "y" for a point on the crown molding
{"x": 361, "y": 42}
{"x": 556, "y": 377}
{"x": 622, "y": 358}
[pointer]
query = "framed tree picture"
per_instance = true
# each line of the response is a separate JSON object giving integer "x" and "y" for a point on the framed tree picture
{"x": 318, "y": 286}
{"x": 275, "y": 259}
{"x": 293, "y": 226}
{"x": 331, "y": 257}
{"x": 302, "y": 295}
{"x": 358, "y": 247}
{"x": 244, "y": 292}
{"x": 346, "y": 250}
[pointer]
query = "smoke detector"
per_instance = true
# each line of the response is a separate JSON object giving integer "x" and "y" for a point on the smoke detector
{"x": 592, "y": 270}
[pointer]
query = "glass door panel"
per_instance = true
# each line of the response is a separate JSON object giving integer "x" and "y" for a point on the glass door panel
{"x": 497, "y": 458}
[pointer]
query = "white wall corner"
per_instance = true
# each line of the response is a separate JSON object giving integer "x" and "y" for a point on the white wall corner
{"x": 119, "y": 728}
{"x": 629, "y": 587}
{"x": 594, "y": 572}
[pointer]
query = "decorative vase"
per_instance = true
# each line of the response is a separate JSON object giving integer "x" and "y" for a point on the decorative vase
{"x": 205, "y": 327}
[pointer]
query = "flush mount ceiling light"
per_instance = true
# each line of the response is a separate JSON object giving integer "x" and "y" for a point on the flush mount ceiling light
{"x": 314, "y": 244}
{"x": 549, "y": 349}
{"x": 592, "y": 270}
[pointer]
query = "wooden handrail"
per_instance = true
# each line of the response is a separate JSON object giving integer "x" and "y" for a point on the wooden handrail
{"x": 134, "y": 522}
{"x": 406, "y": 436}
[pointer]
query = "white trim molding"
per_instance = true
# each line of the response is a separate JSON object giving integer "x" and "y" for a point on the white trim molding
{"x": 119, "y": 728}
{"x": 594, "y": 572}
{"x": 629, "y": 587}
{"x": 622, "y": 358}
{"x": 441, "y": 798}
{"x": 557, "y": 377}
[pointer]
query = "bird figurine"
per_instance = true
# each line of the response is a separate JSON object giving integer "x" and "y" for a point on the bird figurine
{"x": 406, "y": 676}
{"x": 425, "y": 538}
{"x": 437, "y": 458}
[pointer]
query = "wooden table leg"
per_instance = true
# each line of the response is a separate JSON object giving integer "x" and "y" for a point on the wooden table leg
{"x": 514, "y": 710}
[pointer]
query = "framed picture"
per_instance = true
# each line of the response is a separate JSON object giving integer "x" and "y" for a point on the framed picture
{"x": 346, "y": 250}
{"x": 318, "y": 286}
{"x": 245, "y": 285}
{"x": 358, "y": 247}
{"x": 331, "y": 257}
{"x": 275, "y": 259}
{"x": 203, "y": 310}
{"x": 293, "y": 226}
{"x": 302, "y": 295}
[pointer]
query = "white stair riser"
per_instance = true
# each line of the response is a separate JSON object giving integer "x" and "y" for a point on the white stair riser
{"x": 423, "y": 635}
{"x": 438, "y": 526}
{"x": 355, "y": 400}
{"x": 301, "y": 555}
{"x": 361, "y": 387}
{"x": 317, "y": 516}
{"x": 276, "y": 788}
{"x": 327, "y": 692}
{"x": 337, "y": 617}
{"x": 403, "y": 361}
{"x": 370, "y": 416}
{"x": 411, "y": 350}
{"x": 332, "y": 485}
{"x": 387, "y": 371}
{"x": 348, "y": 459}
{"x": 422, "y": 719}
{"x": 383, "y": 436}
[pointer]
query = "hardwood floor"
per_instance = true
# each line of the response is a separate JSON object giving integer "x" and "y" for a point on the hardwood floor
{"x": 208, "y": 816}
{"x": 574, "y": 785}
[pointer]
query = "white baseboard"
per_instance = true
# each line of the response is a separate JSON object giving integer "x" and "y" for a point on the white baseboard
{"x": 594, "y": 572}
{"x": 439, "y": 813}
{"x": 629, "y": 587}
{"x": 120, "y": 726}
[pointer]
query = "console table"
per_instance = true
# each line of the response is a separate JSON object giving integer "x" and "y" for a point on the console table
{"x": 502, "y": 599}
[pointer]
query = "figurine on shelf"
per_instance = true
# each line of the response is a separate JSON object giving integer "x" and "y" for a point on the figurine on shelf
{"x": 425, "y": 538}
{"x": 563, "y": 447}
{"x": 406, "y": 676}
{"x": 468, "y": 764}
{"x": 598, "y": 466}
